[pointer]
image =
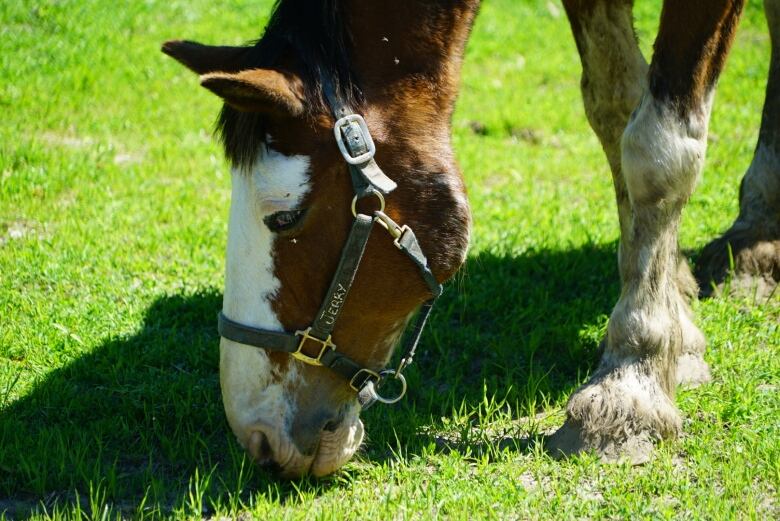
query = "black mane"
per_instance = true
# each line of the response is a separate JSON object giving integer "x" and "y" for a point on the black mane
{"x": 314, "y": 32}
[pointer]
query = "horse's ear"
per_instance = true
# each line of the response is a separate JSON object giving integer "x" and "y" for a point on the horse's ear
{"x": 258, "y": 90}
{"x": 206, "y": 58}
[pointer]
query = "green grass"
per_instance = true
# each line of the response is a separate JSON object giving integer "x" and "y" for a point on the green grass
{"x": 113, "y": 206}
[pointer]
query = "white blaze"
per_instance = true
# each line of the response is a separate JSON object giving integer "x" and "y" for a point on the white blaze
{"x": 274, "y": 183}
{"x": 254, "y": 392}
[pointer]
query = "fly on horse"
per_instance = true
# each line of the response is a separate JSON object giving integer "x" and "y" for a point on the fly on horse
{"x": 348, "y": 211}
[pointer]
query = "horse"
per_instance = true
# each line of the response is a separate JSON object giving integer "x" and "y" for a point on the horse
{"x": 348, "y": 212}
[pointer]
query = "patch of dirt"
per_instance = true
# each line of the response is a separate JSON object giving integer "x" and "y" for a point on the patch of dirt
{"x": 478, "y": 128}
{"x": 20, "y": 229}
{"x": 526, "y": 134}
{"x": 528, "y": 480}
{"x": 589, "y": 491}
{"x": 68, "y": 141}
{"x": 124, "y": 158}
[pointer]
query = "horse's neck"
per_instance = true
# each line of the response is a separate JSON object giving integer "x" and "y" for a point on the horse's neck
{"x": 410, "y": 51}
{"x": 401, "y": 37}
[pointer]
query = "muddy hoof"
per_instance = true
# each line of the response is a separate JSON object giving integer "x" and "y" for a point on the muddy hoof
{"x": 619, "y": 416}
{"x": 572, "y": 439}
{"x": 755, "y": 261}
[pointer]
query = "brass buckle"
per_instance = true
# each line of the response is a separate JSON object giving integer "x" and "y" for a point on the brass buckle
{"x": 306, "y": 335}
{"x": 395, "y": 230}
{"x": 362, "y": 370}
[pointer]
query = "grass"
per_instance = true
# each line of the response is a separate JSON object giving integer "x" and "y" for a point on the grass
{"x": 113, "y": 206}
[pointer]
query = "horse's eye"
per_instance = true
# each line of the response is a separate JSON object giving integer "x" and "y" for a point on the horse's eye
{"x": 283, "y": 221}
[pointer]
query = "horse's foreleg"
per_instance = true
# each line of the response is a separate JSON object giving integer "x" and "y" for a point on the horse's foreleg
{"x": 613, "y": 79}
{"x": 754, "y": 238}
{"x": 628, "y": 404}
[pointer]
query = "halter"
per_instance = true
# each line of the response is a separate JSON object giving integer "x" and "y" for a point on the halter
{"x": 358, "y": 149}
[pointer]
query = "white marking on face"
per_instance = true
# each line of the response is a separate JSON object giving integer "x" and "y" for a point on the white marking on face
{"x": 251, "y": 392}
{"x": 280, "y": 181}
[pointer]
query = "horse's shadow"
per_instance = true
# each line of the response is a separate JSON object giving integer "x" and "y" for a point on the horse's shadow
{"x": 139, "y": 415}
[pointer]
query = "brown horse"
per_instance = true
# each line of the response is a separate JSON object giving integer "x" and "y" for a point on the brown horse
{"x": 315, "y": 301}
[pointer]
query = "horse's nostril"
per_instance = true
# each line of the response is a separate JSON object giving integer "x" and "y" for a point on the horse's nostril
{"x": 334, "y": 423}
{"x": 260, "y": 448}
{"x": 331, "y": 426}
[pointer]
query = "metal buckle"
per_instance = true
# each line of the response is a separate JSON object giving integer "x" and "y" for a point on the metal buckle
{"x": 299, "y": 355}
{"x": 362, "y": 370}
{"x": 358, "y": 120}
{"x": 396, "y": 230}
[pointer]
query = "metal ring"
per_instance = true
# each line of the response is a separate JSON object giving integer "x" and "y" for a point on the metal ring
{"x": 374, "y": 192}
{"x": 397, "y": 376}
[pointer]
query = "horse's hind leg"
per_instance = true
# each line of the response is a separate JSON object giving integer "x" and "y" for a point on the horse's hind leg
{"x": 754, "y": 238}
{"x": 628, "y": 404}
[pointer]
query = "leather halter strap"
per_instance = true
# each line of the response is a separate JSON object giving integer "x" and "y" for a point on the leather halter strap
{"x": 357, "y": 147}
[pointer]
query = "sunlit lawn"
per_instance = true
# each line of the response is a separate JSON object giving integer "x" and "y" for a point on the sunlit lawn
{"x": 113, "y": 206}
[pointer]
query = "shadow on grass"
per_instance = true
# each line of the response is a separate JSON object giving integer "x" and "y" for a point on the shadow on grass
{"x": 511, "y": 334}
{"x": 141, "y": 416}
